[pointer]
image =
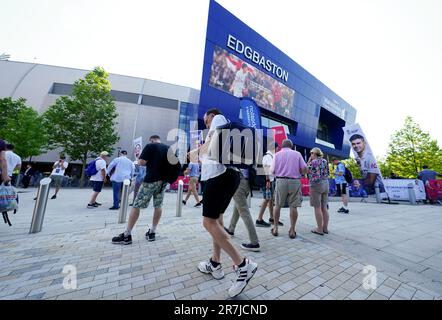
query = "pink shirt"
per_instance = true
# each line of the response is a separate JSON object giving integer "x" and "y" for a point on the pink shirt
{"x": 288, "y": 163}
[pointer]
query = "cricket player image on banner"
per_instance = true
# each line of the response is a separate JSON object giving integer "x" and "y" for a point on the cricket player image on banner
{"x": 138, "y": 147}
{"x": 371, "y": 175}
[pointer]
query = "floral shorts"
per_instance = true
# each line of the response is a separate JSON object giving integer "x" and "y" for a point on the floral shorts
{"x": 149, "y": 190}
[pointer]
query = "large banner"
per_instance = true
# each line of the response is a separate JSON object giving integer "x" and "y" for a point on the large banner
{"x": 398, "y": 189}
{"x": 239, "y": 78}
{"x": 251, "y": 116}
{"x": 371, "y": 175}
{"x": 138, "y": 147}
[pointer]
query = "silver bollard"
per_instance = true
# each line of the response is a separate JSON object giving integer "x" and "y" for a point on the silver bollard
{"x": 124, "y": 203}
{"x": 411, "y": 194}
{"x": 40, "y": 205}
{"x": 378, "y": 194}
{"x": 179, "y": 198}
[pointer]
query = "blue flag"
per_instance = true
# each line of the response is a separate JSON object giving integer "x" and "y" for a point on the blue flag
{"x": 251, "y": 116}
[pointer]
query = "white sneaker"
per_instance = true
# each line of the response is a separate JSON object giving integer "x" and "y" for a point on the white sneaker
{"x": 244, "y": 275}
{"x": 207, "y": 267}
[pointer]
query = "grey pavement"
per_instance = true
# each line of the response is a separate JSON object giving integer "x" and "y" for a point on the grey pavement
{"x": 402, "y": 242}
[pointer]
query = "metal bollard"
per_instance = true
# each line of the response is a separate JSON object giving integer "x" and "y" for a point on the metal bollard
{"x": 179, "y": 198}
{"x": 40, "y": 205}
{"x": 411, "y": 194}
{"x": 378, "y": 194}
{"x": 124, "y": 201}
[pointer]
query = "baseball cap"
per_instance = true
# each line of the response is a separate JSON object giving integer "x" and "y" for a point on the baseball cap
{"x": 104, "y": 153}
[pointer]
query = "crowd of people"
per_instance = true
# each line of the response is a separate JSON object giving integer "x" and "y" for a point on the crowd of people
{"x": 222, "y": 183}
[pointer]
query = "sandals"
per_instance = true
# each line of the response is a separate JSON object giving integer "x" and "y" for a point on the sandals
{"x": 274, "y": 233}
{"x": 316, "y": 232}
{"x": 325, "y": 232}
{"x": 292, "y": 235}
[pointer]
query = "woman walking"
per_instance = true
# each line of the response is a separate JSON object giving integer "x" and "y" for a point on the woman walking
{"x": 318, "y": 173}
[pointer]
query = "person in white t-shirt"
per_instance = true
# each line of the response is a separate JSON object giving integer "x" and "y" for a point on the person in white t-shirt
{"x": 57, "y": 173}
{"x": 98, "y": 179}
{"x": 221, "y": 185}
{"x": 13, "y": 160}
{"x": 268, "y": 191}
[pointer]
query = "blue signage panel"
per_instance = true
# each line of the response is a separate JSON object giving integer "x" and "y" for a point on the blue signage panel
{"x": 241, "y": 64}
{"x": 251, "y": 116}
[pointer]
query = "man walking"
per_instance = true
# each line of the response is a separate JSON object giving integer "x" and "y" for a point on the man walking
{"x": 122, "y": 169}
{"x": 221, "y": 185}
{"x": 288, "y": 167}
{"x": 341, "y": 185}
{"x": 14, "y": 162}
{"x": 154, "y": 157}
{"x": 241, "y": 209}
{"x": 28, "y": 174}
{"x": 57, "y": 174}
{"x": 268, "y": 191}
{"x": 98, "y": 179}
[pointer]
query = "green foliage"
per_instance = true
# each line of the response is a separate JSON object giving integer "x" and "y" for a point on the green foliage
{"x": 385, "y": 168}
{"x": 411, "y": 148}
{"x": 23, "y": 127}
{"x": 84, "y": 124}
{"x": 351, "y": 165}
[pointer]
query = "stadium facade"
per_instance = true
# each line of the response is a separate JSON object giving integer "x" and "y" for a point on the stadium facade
{"x": 286, "y": 94}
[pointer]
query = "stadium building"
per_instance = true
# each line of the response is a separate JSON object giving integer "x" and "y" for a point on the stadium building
{"x": 238, "y": 62}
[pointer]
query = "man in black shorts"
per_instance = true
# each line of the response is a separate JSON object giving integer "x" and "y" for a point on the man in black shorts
{"x": 221, "y": 185}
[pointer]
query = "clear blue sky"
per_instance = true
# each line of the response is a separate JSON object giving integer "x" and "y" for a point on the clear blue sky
{"x": 382, "y": 56}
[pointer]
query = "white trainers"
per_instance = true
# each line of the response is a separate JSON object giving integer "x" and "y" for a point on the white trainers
{"x": 207, "y": 267}
{"x": 244, "y": 275}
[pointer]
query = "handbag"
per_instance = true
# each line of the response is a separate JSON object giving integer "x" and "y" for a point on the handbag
{"x": 8, "y": 201}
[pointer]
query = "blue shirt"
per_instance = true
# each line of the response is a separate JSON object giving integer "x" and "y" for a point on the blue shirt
{"x": 194, "y": 169}
{"x": 340, "y": 179}
{"x": 141, "y": 173}
{"x": 124, "y": 169}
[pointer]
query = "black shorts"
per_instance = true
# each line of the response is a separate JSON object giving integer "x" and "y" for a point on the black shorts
{"x": 341, "y": 190}
{"x": 97, "y": 186}
{"x": 218, "y": 193}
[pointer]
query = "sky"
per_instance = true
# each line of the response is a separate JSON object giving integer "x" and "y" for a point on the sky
{"x": 381, "y": 56}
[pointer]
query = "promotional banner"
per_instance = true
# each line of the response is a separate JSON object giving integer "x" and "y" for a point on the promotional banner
{"x": 138, "y": 147}
{"x": 398, "y": 189}
{"x": 251, "y": 116}
{"x": 371, "y": 175}
{"x": 280, "y": 135}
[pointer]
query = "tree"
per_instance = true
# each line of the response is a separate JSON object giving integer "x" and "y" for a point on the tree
{"x": 9, "y": 110}
{"x": 410, "y": 149}
{"x": 384, "y": 167}
{"x": 24, "y": 127}
{"x": 84, "y": 124}
{"x": 351, "y": 165}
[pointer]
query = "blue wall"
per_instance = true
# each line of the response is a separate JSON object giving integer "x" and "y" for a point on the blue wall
{"x": 310, "y": 93}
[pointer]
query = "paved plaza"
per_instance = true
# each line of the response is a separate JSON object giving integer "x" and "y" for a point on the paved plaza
{"x": 402, "y": 242}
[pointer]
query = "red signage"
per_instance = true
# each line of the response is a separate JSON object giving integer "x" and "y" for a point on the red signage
{"x": 280, "y": 134}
